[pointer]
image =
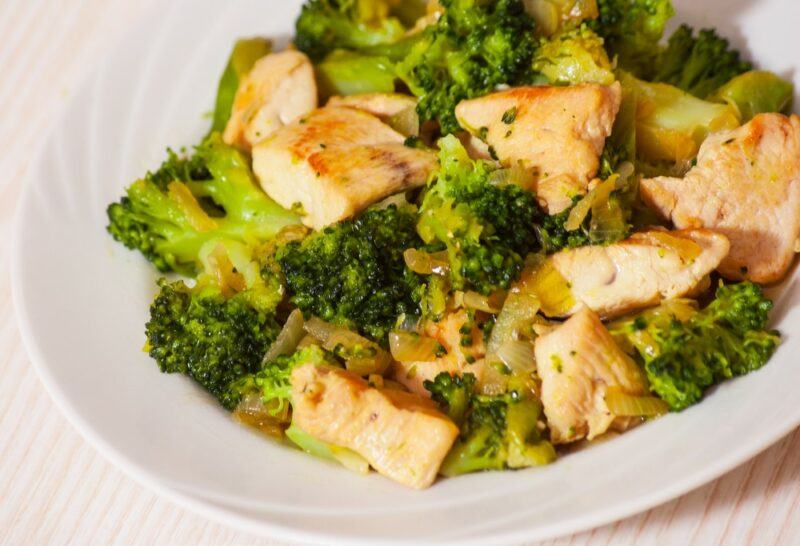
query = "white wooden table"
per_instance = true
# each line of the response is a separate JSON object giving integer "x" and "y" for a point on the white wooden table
{"x": 55, "y": 489}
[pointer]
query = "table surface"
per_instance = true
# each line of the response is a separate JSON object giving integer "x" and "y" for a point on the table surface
{"x": 56, "y": 489}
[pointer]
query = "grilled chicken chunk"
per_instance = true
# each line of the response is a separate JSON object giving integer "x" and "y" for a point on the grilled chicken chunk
{"x": 746, "y": 185}
{"x": 278, "y": 90}
{"x": 459, "y": 359}
{"x": 335, "y": 162}
{"x": 401, "y": 434}
{"x": 577, "y": 362}
{"x": 632, "y": 274}
{"x": 382, "y": 105}
{"x": 555, "y": 131}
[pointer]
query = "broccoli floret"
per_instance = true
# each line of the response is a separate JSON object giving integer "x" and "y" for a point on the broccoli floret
{"x": 473, "y": 47}
{"x": 632, "y": 30}
{"x": 556, "y": 237}
{"x": 497, "y": 432}
{"x": 353, "y": 274}
{"x": 212, "y": 338}
{"x": 325, "y": 25}
{"x": 574, "y": 56}
{"x": 685, "y": 353}
{"x": 273, "y": 381}
{"x": 698, "y": 65}
{"x": 486, "y": 228}
{"x": 171, "y": 214}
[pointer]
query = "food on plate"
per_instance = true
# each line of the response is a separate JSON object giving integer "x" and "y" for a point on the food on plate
{"x": 438, "y": 238}
{"x": 554, "y": 132}
{"x": 340, "y": 160}
{"x": 638, "y": 272}
{"x": 745, "y": 185}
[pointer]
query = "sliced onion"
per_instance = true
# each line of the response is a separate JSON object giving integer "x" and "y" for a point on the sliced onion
{"x": 406, "y": 122}
{"x": 288, "y": 338}
{"x": 180, "y": 194}
{"x": 622, "y": 404}
{"x": 516, "y": 175}
{"x": 252, "y": 412}
{"x": 408, "y": 347}
{"x": 361, "y": 356}
{"x": 320, "y": 329}
{"x": 518, "y": 355}
{"x": 684, "y": 247}
{"x": 599, "y": 193}
{"x": 552, "y": 289}
{"x": 516, "y": 316}
{"x": 425, "y": 263}
{"x": 490, "y": 304}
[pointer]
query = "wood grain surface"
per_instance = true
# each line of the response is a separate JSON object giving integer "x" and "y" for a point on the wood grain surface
{"x": 55, "y": 489}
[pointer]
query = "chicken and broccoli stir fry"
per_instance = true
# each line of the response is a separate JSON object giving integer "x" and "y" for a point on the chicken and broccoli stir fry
{"x": 439, "y": 237}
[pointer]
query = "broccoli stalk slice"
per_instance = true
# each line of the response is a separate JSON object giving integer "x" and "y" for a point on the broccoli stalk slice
{"x": 244, "y": 55}
{"x": 685, "y": 353}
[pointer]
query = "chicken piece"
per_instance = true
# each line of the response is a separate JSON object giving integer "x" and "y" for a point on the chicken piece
{"x": 746, "y": 185}
{"x": 278, "y": 90}
{"x": 577, "y": 362}
{"x": 337, "y": 161}
{"x": 632, "y": 274}
{"x": 459, "y": 359}
{"x": 381, "y": 105}
{"x": 555, "y": 131}
{"x": 401, "y": 434}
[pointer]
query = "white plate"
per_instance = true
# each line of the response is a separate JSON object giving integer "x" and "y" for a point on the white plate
{"x": 82, "y": 301}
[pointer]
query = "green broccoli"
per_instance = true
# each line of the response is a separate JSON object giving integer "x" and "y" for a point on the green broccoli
{"x": 486, "y": 228}
{"x": 171, "y": 214}
{"x": 497, "y": 432}
{"x": 574, "y": 56}
{"x": 698, "y": 65}
{"x": 352, "y": 273}
{"x": 473, "y": 47}
{"x": 686, "y": 351}
{"x": 325, "y": 25}
{"x": 208, "y": 335}
{"x": 632, "y": 30}
{"x": 272, "y": 382}
{"x": 756, "y": 92}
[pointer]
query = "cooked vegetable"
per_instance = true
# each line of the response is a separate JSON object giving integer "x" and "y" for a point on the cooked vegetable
{"x": 352, "y": 274}
{"x": 272, "y": 381}
{"x": 554, "y": 15}
{"x": 346, "y": 457}
{"x": 212, "y": 336}
{"x": 497, "y": 432}
{"x": 473, "y": 47}
{"x": 170, "y": 214}
{"x": 756, "y": 92}
{"x": 632, "y": 30}
{"x": 671, "y": 124}
{"x": 486, "y": 229}
{"x": 348, "y": 73}
{"x": 684, "y": 352}
{"x": 574, "y": 56}
{"x": 244, "y": 55}
{"x": 700, "y": 64}
{"x": 325, "y": 25}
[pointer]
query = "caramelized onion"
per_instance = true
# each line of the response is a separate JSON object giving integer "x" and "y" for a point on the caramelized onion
{"x": 409, "y": 347}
